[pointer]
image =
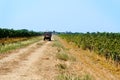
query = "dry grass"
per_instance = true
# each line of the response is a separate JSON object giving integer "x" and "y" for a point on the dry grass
{"x": 12, "y": 40}
{"x": 63, "y": 56}
{"x": 66, "y": 65}
{"x": 62, "y": 66}
{"x": 19, "y": 44}
{"x": 73, "y": 77}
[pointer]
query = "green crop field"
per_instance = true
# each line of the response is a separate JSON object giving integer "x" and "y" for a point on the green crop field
{"x": 106, "y": 44}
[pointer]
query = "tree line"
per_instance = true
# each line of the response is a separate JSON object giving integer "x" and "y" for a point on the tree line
{"x": 11, "y": 33}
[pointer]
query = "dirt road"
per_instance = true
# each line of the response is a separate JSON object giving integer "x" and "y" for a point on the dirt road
{"x": 38, "y": 62}
{"x": 30, "y": 63}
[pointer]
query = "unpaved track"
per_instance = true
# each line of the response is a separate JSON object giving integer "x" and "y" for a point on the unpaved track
{"x": 25, "y": 64}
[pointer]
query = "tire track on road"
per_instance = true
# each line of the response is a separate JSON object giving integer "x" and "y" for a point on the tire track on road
{"x": 7, "y": 64}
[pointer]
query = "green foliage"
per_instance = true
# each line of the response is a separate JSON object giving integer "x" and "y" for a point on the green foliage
{"x": 12, "y": 46}
{"x": 5, "y": 33}
{"x": 73, "y": 77}
{"x": 57, "y": 44}
{"x": 107, "y": 44}
{"x": 63, "y": 56}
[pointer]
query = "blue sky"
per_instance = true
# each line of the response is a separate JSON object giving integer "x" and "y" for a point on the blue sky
{"x": 61, "y": 15}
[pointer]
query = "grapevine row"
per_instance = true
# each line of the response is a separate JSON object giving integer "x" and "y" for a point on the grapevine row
{"x": 106, "y": 44}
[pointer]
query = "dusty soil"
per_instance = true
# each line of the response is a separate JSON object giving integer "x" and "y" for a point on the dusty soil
{"x": 38, "y": 62}
{"x": 35, "y": 62}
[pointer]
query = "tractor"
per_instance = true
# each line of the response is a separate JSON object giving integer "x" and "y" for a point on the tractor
{"x": 47, "y": 36}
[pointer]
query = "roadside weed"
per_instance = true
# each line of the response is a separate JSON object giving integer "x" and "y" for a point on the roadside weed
{"x": 62, "y": 56}
{"x": 73, "y": 77}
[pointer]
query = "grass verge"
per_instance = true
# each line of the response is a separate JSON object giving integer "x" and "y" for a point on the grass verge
{"x": 62, "y": 56}
{"x": 62, "y": 66}
{"x": 58, "y": 44}
{"x": 73, "y": 77}
{"x": 66, "y": 65}
{"x": 62, "y": 52}
{"x": 19, "y": 44}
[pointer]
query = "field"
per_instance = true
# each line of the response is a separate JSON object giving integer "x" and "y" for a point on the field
{"x": 104, "y": 44}
{"x": 13, "y": 39}
{"x": 66, "y": 57}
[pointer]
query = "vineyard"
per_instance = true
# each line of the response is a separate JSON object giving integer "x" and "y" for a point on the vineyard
{"x": 105, "y": 44}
